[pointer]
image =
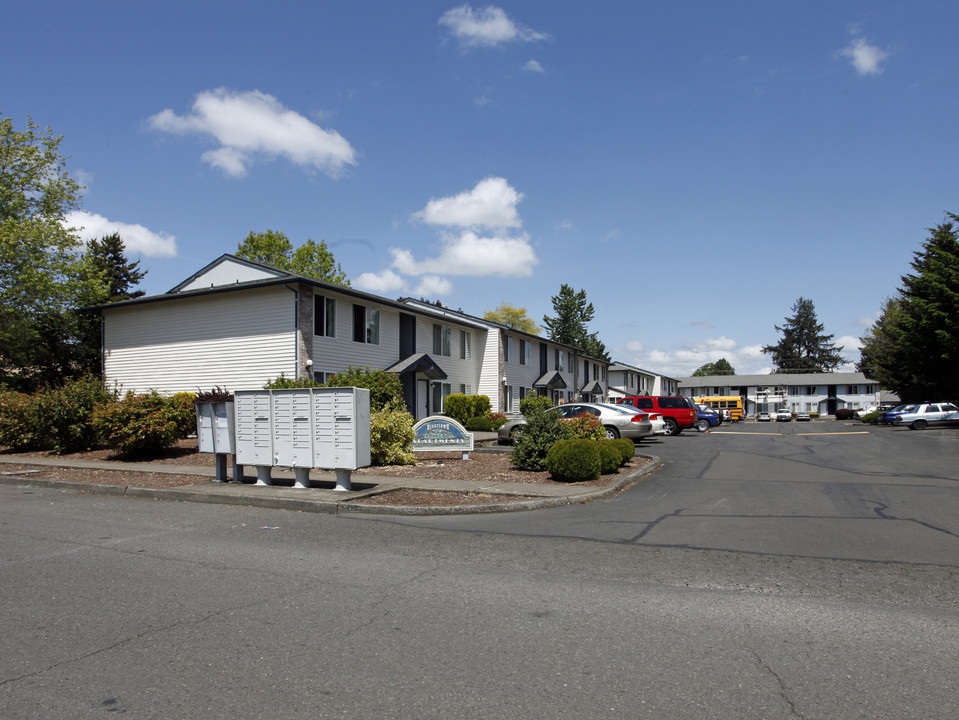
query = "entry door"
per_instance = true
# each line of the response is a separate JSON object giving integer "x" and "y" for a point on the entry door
{"x": 422, "y": 399}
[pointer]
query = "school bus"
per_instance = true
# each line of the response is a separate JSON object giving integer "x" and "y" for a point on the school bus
{"x": 733, "y": 403}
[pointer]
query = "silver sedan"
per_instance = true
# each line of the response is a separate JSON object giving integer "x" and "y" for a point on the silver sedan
{"x": 618, "y": 420}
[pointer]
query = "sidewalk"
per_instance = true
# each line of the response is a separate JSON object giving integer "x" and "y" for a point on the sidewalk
{"x": 321, "y": 497}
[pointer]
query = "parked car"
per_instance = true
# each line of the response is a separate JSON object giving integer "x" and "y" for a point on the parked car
{"x": 886, "y": 416}
{"x": 866, "y": 411}
{"x": 803, "y": 416}
{"x": 678, "y": 412}
{"x": 619, "y": 421}
{"x": 784, "y": 415}
{"x": 926, "y": 414}
{"x": 763, "y": 417}
{"x": 707, "y": 418}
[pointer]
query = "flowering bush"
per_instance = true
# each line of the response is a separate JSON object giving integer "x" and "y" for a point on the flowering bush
{"x": 586, "y": 426}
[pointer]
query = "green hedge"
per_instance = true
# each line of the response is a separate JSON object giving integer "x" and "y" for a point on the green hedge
{"x": 574, "y": 460}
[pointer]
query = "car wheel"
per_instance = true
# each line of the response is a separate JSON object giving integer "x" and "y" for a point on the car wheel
{"x": 702, "y": 425}
{"x": 612, "y": 433}
{"x": 671, "y": 427}
{"x": 919, "y": 425}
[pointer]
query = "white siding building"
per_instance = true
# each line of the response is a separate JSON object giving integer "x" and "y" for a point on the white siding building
{"x": 238, "y": 324}
{"x": 822, "y": 393}
{"x": 625, "y": 380}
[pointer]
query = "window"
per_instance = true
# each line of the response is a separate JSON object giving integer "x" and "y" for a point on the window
{"x": 508, "y": 348}
{"x": 811, "y": 390}
{"x": 853, "y": 390}
{"x": 320, "y": 376}
{"x": 366, "y": 325}
{"x": 466, "y": 345}
{"x": 466, "y": 389}
{"x": 441, "y": 391}
{"x": 324, "y": 316}
{"x": 523, "y": 352}
{"x": 442, "y": 340}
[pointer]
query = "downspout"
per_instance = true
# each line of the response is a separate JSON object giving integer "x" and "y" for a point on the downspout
{"x": 296, "y": 330}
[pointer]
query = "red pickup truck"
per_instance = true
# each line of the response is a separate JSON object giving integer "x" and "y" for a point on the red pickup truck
{"x": 678, "y": 412}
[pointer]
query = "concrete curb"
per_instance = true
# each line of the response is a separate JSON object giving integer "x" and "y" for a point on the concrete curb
{"x": 285, "y": 498}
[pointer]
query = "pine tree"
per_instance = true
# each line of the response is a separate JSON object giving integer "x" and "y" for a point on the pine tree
{"x": 569, "y": 327}
{"x": 924, "y": 334}
{"x": 803, "y": 347}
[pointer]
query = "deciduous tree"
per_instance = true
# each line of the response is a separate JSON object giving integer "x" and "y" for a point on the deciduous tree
{"x": 311, "y": 259}
{"x": 512, "y": 317}
{"x": 40, "y": 269}
{"x": 720, "y": 367}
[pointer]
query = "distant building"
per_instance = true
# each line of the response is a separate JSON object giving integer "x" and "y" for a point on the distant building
{"x": 823, "y": 393}
{"x": 625, "y": 380}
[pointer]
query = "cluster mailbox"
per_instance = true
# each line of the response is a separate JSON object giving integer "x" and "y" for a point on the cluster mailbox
{"x": 304, "y": 428}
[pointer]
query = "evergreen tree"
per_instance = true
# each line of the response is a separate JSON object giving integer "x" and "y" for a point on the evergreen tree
{"x": 110, "y": 277}
{"x": 914, "y": 347}
{"x": 803, "y": 347}
{"x": 311, "y": 259}
{"x": 569, "y": 327}
{"x": 720, "y": 367}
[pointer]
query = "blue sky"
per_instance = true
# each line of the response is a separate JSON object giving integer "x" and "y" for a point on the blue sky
{"x": 694, "y": 166}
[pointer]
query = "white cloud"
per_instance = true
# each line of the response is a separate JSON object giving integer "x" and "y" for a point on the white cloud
{"x": 849, "y": 344}
{"x": 136, "y": 238}
{"x": 485, "y": 27}
{"x": 470, "y": 254}
{"x": 865, "y": 58}
{"x": 383, "y": 282}
{"x": 533, "y": 66}
{"x": 682, "y": 361}
{"x": 431, "y": 286}
{"x": 491, "y": 203}
{"x": 253, "y": 125}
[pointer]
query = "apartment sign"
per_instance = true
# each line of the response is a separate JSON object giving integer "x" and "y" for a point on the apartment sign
{"x": 440, "y": 433}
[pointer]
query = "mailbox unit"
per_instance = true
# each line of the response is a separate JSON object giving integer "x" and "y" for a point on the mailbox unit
{"x": 303, "y": 428}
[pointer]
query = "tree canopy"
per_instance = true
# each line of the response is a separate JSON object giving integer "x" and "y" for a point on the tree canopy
{"x": 41, "y": 270}
{"x": 720, "y": 367}
{"x": 311, "y": 259}
{"x": 913, "y": 349}
{"x": 570, "y": 326}
{"x": 803, "y": 347}
{"x": 512, "y": 317}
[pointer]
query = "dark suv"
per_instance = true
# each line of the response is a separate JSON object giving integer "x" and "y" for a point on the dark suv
{"x": 678, "y": 412}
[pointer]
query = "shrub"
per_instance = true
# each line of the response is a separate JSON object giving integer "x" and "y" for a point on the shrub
{"x": 280, "y": 383}
{"x": 845, "y": 414}
{"x": 384, "y": 387}
{"x": 587, "y": 426}
{"x": 626, "y": 447}
{"x": 481, "y": 405}
{"x": 497, "y": 419}
{"x": 814, "y": 415}
{"x": 63, "y": 414}
{"x": 19, "y": 421}
{"x": 528, "y": 403}
{"x": 574, "y": 460}
{"x": 391, "y": 434}
{"x": 479, "y": 424}
{"x": 610, "y": 459}
{"x": 543, "y": 429}
{"x": 183, "y": 405}
{"x": 459, "y": 407}
{"x": 871, "y": 418}
{"x": 137, "y": 424}
{"x": 218, "y": 394}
